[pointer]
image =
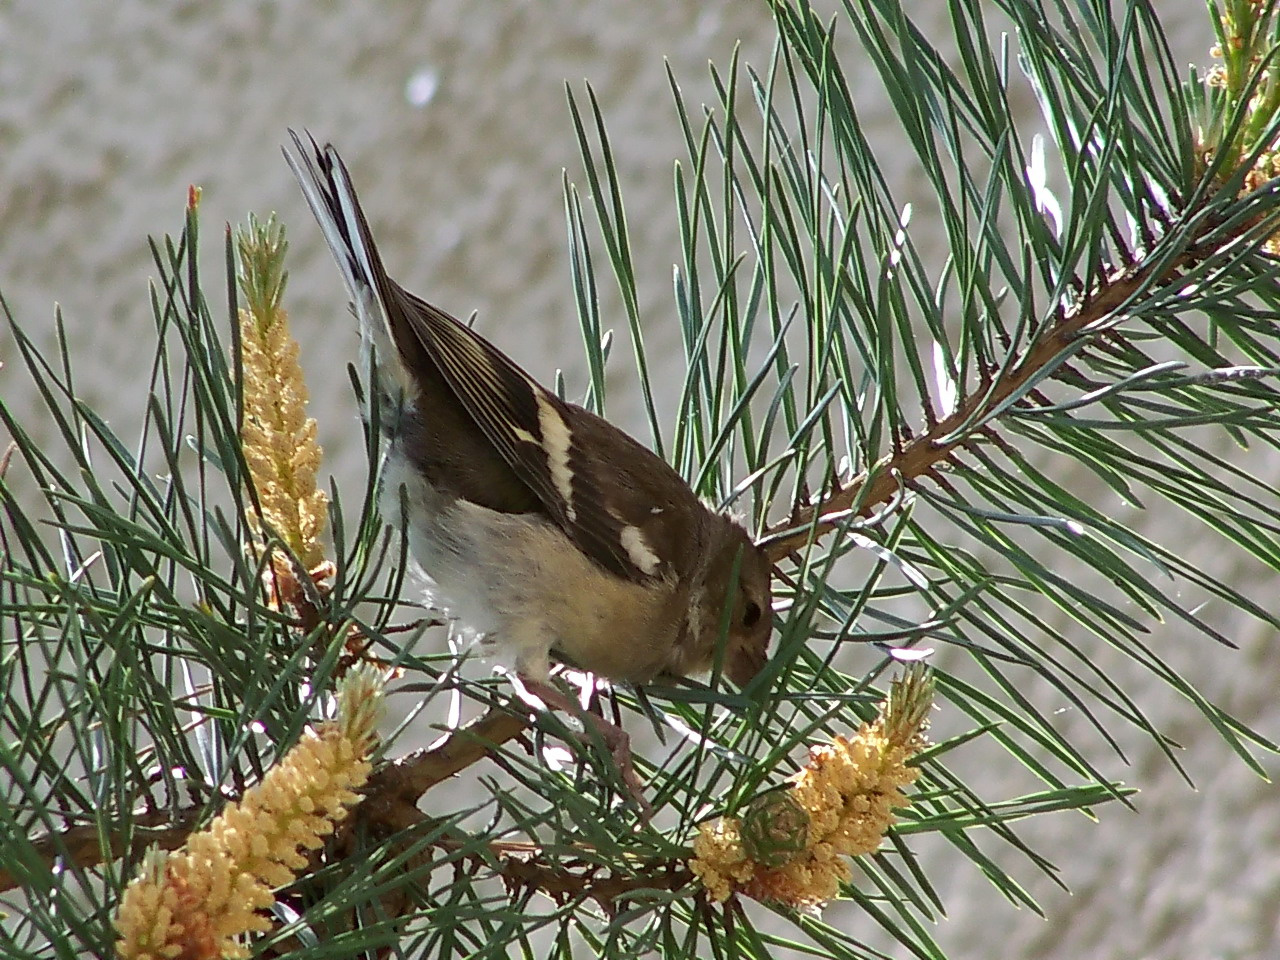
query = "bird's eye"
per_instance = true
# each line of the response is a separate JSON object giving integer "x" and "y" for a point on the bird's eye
{"x": 751, "y": 615}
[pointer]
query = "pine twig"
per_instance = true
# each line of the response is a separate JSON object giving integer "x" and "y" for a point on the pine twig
{"x": 923, "y": 454}
{"x": 390, "y": 800}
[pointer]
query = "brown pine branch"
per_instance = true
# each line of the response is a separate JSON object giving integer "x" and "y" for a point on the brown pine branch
{"x": 392, "y": 794}
{"x": 922, "y": 455}
{"x": 390, "y": 801}
{"x": 82, "y": 845}
{"x": 582, "y": 880}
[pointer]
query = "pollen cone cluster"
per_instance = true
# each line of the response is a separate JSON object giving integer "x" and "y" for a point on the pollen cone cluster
{"x": 792, "y": 846}
{"x": 278, "y": 439}
{"x": 198, "y": 902}
{"x": 1245, "y": 75}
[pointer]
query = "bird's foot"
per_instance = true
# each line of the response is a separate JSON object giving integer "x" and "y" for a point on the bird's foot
{"x": 615, "y": 739}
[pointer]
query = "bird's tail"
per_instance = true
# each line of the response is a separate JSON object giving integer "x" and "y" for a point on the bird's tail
{"x": 327, "y": 186}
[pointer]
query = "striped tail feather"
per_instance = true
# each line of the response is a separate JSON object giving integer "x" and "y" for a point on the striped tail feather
{"x": 327, "y": 187}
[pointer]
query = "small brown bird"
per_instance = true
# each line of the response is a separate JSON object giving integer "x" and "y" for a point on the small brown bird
{"x": 542, "y": 528}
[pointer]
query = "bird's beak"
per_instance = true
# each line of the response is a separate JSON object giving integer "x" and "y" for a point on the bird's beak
{"x": 742, "y": 665}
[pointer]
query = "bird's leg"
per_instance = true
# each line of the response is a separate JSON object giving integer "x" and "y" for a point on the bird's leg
{"x": 615, "y": 738}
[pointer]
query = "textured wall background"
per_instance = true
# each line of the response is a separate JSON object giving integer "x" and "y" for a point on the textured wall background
{"x": 452, "y": 117}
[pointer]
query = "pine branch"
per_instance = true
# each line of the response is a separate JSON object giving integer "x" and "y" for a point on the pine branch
{"x": 389, "y": 804}
{"x": 928, "y": 452}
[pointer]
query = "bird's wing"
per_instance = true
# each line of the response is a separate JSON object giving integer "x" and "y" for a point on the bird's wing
{"x": 539, "y": 436}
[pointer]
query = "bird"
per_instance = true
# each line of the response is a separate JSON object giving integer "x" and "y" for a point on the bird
{"x": 543, "y": 530}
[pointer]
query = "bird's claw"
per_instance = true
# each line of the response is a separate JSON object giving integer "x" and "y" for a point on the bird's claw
{"x": 615, "y": 739}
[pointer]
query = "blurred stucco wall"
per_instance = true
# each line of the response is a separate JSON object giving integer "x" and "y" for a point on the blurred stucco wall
{"x": 452, "y": 118}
